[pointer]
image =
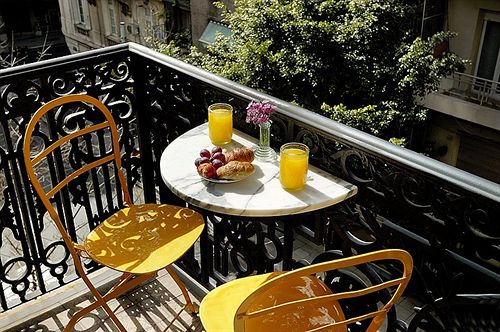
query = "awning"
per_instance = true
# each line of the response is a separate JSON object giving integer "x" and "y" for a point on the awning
{"x": 211, "y": 31}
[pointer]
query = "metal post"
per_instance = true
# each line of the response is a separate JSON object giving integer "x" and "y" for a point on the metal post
{"x": 144, "y": 126}
{"x": 423, "y": 19}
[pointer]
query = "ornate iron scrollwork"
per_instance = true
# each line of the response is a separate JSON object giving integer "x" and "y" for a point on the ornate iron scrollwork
{"x": 452, "y": 232}
{"x": 38, "y": 261}
{"x": 243, "y": 246}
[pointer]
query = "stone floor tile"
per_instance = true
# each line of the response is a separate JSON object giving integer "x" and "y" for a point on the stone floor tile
{"x": 53, "y": 321}
{"x": 164, "y": 284}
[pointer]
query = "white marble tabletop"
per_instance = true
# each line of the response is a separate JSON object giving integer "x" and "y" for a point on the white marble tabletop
{"x": 259, "y": 195}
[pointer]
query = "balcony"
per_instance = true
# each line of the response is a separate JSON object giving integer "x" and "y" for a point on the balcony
{"x": 470, "y": 98}
{"x": 446, "y": 218}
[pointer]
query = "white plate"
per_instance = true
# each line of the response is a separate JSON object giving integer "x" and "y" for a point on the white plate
{"x": 226, "y": 181}
{"x": 222, "y": 180}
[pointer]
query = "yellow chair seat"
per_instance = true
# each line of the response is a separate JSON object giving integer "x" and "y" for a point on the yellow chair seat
{"x": 144, "y": 238}
{"x": 219, "y": 307}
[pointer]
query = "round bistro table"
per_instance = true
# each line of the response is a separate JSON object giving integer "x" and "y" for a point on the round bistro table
{"x": 259, "y": 195}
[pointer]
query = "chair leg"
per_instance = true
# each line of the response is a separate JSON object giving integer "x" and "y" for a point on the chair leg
{"x": 190, "y": 307}
{"x": 99, "y": 303}
{"x": 126, "y": 286}
{"x": 126, "y": 283}
{"x": 376, "y": 323}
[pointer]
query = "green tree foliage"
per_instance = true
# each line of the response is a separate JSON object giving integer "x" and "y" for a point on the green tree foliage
{"x": 356, "y": 61}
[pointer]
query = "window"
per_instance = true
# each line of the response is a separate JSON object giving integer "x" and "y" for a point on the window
{"x": 113, "y": 30}
{"x": 179, "y": 17}
{"x": 488, "y": 63}
{"x": 82, "y": 13}
{"x": 111, "y": 16}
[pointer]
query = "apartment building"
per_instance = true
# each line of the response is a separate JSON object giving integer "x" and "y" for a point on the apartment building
{"x": 465, "y": 124}
{"x": 90, "y": 24}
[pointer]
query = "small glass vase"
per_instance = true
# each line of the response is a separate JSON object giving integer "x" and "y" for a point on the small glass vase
{"x": 264, "y": 152}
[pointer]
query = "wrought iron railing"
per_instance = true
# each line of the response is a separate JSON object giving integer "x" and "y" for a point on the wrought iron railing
{"x": 447, "y": 218}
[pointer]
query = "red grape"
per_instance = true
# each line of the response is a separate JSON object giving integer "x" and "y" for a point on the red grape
{"x": 197, "y": 162}
{"x": 205, "y": 153}
{"x": 220, "y": 156}
{"x": 216, "y": 163}
{"x": 204, "y": 160}
{"x": 216, "y": 149}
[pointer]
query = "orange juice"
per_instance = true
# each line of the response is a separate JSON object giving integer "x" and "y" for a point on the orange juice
{"x": 220, "y": 123}
{"x": 294, "y": 161}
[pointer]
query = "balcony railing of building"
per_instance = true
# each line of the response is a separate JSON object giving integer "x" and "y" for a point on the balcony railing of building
{"x": 475, "y": 89}
{"x": 445, "y": 217}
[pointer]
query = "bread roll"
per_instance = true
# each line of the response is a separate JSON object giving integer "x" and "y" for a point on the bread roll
{"x": 235, "y": 170}
{"x": 240, "y": 154}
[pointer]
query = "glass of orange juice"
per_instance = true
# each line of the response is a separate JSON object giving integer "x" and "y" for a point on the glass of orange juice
{"x": 220, "y": 123}
{"x": 294, "y": 163}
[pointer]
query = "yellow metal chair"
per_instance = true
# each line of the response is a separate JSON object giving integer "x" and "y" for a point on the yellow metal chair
{"x": 138, "y": 240}
{"x": 297, "y": 300}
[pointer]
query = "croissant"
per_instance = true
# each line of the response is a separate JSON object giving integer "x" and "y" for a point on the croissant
{"x": 240, "y": 154}
{"x": 235, "y": 170}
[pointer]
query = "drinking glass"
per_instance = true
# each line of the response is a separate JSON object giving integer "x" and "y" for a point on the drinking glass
{"x": 294, "y": 163}
{"x": 220, "y": 123}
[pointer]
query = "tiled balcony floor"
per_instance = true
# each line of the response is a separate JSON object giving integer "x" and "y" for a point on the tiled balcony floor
{"x": 150, "y": 307}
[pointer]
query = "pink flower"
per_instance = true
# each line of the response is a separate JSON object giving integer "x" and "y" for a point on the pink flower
{"x": 259, "y": 112}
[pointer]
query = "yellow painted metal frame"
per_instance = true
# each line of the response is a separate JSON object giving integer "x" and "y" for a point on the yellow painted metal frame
{"x": 243, "y": 314}
{"x": 128, "y": 280}
{"x": 283, "y": 301}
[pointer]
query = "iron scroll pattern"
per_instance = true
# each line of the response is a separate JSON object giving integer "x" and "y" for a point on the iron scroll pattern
{"x": 240, "y": 247}
{"x": 453, "y": 234}
{"x": 33, "y": 261}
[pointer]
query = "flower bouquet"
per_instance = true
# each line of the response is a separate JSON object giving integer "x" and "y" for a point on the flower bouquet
{"x": 259, "y": 113}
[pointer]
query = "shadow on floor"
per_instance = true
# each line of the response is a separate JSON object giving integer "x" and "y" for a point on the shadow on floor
{"x": 150, "y": 307}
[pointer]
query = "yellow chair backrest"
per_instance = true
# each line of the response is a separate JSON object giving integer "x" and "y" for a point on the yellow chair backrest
{"x": 249, "y": 311}
{"x": 31, "y": 162}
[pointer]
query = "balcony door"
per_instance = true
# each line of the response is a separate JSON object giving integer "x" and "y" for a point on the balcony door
{"x": 488, "y": 65}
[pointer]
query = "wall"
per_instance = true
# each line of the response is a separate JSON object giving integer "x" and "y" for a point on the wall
{"x": 199, "y": 18}
{"x": 201, "y": 12}
{"x": 78, "y": 37}
{"x": 465, "y": 17}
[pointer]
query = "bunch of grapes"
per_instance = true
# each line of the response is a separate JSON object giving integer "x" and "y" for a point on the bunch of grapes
{"x": 209, "y": 162}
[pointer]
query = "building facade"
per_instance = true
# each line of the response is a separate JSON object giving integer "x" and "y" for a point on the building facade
{"x": 465, "y": 124}
{"x": 90, "y": 24}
